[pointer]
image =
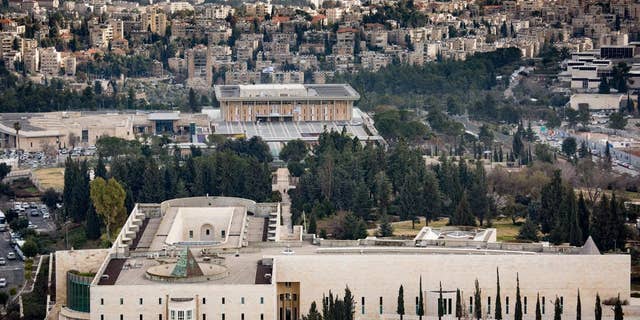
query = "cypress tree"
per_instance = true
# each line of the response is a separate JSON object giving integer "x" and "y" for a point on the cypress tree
{"x": 463, "y": 216}
{"x": 518, "y": 309}
{"x": 93, "y": 224}
{"x": 420, "y": 301}
{"x": 578, "y": 307}
{"x": 477, "y": 303}
{"x": 598, "y": 308}
{"x": 313, "y": 225}
{"x": 400, "y": 308}
{"x": 101, "y": 170}
{"x": 458, "y": 305}
{"x": 584, "y": 217}
{"x": 538, "y": 311}
{"x": 617, "y": 310}
{"x": 498, "y": 312}
{"x": 557, "y": 310}
{"x": 440, "y": 304}
{"x": 575, "y": 233}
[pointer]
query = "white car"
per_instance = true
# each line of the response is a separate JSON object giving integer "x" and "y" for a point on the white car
{"x": 46, "y": 215}
{"x": 3, "y": 282}
{"x": 11, "y": 256}
{"x": 3, "y": 261}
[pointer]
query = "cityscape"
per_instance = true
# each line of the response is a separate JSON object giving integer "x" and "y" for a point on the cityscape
{"x": 319, "y": 160}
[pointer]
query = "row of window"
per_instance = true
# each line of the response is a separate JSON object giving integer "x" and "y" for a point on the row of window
{"x": 447, "y": 305}
{"x": 204, "y": 300}
{"x": 183, "y": 315}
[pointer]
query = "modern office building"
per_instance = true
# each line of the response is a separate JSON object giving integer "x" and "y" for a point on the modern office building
{"x": 226, "y": 258}
{"x": 287, "y": 102}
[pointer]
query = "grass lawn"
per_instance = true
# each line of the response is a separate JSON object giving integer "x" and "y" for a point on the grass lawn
{"x": 51, "y": 178}
{"x": 506, "y": 230}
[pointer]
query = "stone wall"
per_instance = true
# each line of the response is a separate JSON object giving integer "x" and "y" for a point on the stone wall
{"x": 79, "y": 260}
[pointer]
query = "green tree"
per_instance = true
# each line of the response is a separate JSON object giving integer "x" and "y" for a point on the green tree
{"x": 620, "y": 77}
{"x": 598, "y": 308}
{"x": 385, "y": 229}
{"x": 313, "y": 225}
{"x": 569, "y": 146}
{"x": 420, "y": 311}
{"x": 458, "y": 304}
{"x": 92, "y": 230}
{"x": 557, "y": 310}
{"x": 400, "y": 308}
{"x": 441, "y": 304}
{"x": 17, "y": 127}
{"x": 294, "y": 150}
{"x": 617, "y": 121}
{"x": 498, "y": 312}
{"x": 30, "y": 248}
{"x": 193, "y": 101}
{"x": 108, "y": 198}
{"x": 538, "y": 311}
{"x": 101, "y": 170}
{"x": 518, "y": 308}
{"x": 578, "y": 307}
{"x": 313, "y": 313}
{"x": 584, "y": 115}
{"x": 4, "y": 170}
{"x": 617, "y": 310}
{"x": 463, "y": 216}
{"x": 584, "y": 217}
{"x": 603, "y": 87}
{"x": 477, "y": 301}
{"x": 50, "y": 198}
{"x": 528, "y": 231}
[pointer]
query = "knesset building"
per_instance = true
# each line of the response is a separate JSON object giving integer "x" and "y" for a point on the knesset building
{"x": 225, "y": 258}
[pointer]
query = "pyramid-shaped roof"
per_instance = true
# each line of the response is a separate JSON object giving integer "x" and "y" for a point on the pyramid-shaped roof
{"x": 589, "y": 247}
{"x": 187, "y": 266}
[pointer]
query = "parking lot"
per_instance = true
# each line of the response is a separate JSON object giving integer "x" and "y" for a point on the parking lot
{"x": 13, "y": 271}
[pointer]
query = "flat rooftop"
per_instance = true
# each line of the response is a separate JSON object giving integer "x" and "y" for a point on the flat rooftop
{"x": 285, "y": 92}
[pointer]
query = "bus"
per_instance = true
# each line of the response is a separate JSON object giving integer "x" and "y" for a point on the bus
{"x": 3, "y": 221}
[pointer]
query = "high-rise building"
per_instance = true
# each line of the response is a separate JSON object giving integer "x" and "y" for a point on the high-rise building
{"x": 154, "y": 20}
{"x": 50, "y": 61}
{"x": 199, "y": 66}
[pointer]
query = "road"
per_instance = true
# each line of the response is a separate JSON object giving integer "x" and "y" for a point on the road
{"x": 13, "y": 271}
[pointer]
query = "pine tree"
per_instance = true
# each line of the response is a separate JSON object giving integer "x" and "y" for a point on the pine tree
{"x": 518, "y": 308}
{"x": 477, "y": 301}
{"x": 557, "y": 310}
{"x": 498, "y": 312}
{"x": 538, "y": 311}
{"x": 575, "y": 233}
{"x": 458, "y": 305}
{"x": 420, "y": 301}
{"x": 600, "y": 225}
{"x": 578, "y": 307}
{"x": 400, "y": 308}
{"x": 385, "y": 229}
{"x": 598, "y": 308}
{"x": 441, "y": 304}
{"x": 312, "y": 224}
{"x": 528, "y": 230}
{"x": 550, "y": 201}
{"x": 617, "y": 310}
{"x": 313, "y": 313}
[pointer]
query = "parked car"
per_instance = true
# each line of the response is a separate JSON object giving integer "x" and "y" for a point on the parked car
{"x": 11, "y": 255}
{"x": 3, "y": 261}
{"x": 46, "y": 215}
{"x": 34, "y": 213}
{"x": 3, "y": 282}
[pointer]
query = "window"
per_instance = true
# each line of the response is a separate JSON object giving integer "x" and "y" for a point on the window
{"x": 173, "y": 315}
{"x": 204, "y": 300}
{"x": 471, "y": 305}
{"x": 450, "y": 306}
{"x": 204, "y": 316}
{"x": 189, "y": 315}
{"x": 242, "y": 316}
{"x": 222, "y": 233}
{"x": 85, "y": 135}
{"x": 190, "y": 234}
{"x": 159, "y": 316}
{"x": 507, "y": 300}
{"x": 180, "y": 314}
{"x": 261, "y": 316}
{"x": 525, "y": 305}
{"x": 416, "y": 305}
{"x": 121, "y": 300}
{"x": 101, "y": 301}
{"x": 561, "y": 305}
{"x": 362, "y": 304}
{"x": 102, "y": 317}
{"x": 543, "y": 303}
{"x": 223, "y": 316}
{"x": 121, "y": 317}
{"x": 261, "y": 300}
{"x": 141, "y": 300}
{"x": 488, "y": 305}
{"x": 140, "y": 316}
{"x": 380, "y": 305}
{"x": 159, "y": 300}
{"x": 223, "y": 302}
{"x": 242, "y": 300}
{"x": 207, "y": 232}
